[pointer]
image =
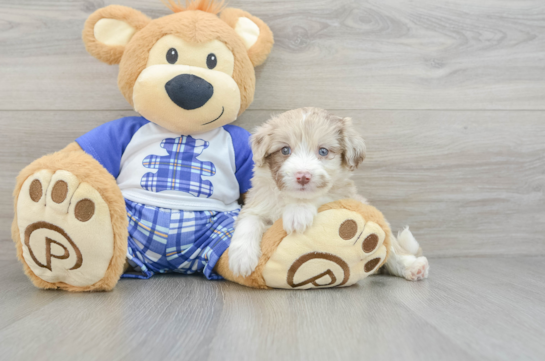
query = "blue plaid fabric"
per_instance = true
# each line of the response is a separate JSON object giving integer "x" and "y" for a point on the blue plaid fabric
{"x": 180, "y": 170}
{"x": 164, "y": 240}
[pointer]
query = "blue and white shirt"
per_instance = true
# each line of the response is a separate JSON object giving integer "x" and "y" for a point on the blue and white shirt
{"x": 155, "y": 167}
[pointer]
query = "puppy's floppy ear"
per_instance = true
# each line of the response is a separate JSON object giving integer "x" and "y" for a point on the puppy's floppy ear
{"x": 261, "y": 143}
{"x": 255, "y": 34}
{"x": 109, "y": 29}
{"x": 353, "y": 145}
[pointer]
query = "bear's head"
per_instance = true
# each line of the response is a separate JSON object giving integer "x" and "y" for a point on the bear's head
{"x": 189, "y": 72}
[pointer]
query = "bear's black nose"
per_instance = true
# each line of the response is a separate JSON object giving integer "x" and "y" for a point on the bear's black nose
{"x": 189, "y": 91}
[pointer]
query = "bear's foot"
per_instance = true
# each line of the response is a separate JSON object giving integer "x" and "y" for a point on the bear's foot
{"x": 340, "y": 249}
{"x": 65, "y": 229}
{"x": 65, "y": 233}
{"x": 347, "y": 242}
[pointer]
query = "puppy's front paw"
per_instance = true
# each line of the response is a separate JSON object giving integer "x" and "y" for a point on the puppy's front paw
{"x": 297, "y": 218}
{"x": 243, "y": 258}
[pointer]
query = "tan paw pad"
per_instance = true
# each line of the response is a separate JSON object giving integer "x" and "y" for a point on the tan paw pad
{"x": 65, "y": 228}
{"x": 338, "y": 250}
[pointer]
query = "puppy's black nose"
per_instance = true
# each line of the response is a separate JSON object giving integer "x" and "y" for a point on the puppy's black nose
{"x": 189, "y": 91}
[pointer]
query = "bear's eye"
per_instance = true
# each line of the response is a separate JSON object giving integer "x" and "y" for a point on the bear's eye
{"x": 172, "y": 55}
{"x": 323, "y": 152}
{"x": 286, "y": 151}
{"x": 211, "y": 61}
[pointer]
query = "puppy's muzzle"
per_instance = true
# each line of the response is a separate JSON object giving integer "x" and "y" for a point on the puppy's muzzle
{"x": 189, "y": 91}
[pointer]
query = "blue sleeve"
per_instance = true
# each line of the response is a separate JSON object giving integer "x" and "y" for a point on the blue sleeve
{"x": 243, "y": 156}
{"x": 108, "y": 142}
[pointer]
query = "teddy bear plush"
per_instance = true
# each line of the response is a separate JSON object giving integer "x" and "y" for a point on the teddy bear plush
{"x": 160, "y": 192}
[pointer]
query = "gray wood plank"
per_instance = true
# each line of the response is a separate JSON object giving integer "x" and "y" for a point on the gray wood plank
{"x": 467, "y": 182}
{"x": 346, "y": 54}
{"x": 470, "y": 309}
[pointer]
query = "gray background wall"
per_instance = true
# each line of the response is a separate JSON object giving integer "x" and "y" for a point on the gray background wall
{"x": 450, "y": 97}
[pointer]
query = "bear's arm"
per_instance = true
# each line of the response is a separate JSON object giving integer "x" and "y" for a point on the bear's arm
{"x": 108, "y": 142}
{"x": 243, "y": 157}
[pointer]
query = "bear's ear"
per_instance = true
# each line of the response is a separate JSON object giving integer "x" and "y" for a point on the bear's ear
{"x": 109, "y": 29}
{"x": 255, "y": 34}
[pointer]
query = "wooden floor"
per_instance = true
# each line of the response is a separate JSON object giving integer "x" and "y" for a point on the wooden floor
{"x": 470, "y": 309}
{"x": 450, "y": 98}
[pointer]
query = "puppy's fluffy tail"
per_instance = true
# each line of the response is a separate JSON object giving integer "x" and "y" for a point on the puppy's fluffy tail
{"x": 408, "y": 242}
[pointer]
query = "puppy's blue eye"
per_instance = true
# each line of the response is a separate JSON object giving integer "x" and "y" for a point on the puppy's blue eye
{"x": 323, "y": 152}
{"x": 286, "y": 151}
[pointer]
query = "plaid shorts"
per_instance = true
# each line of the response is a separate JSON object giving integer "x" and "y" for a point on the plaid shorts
{"x": 164, "y": 240}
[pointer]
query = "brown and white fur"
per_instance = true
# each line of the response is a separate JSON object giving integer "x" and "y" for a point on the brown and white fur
{"x": 304, "y": 158}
